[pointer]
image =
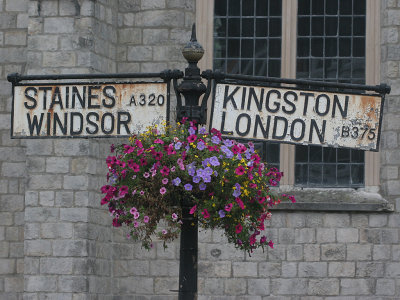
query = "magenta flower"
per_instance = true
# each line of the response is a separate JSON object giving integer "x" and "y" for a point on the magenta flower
{"x": 164, "y": 180}
{"x": 164, "y": 231}
{"x": 193, "y": 209}
{"x": 240, "y": 170}
{"x": 136, "y": 215}
{"x": 238, "y": 228}
{"x": 228, "y": 207}
{"x": 146, "y": 174}
{"x": 163, "y": 190}
{"x": 135, "y": 224}
{"x": 192, "y": 138}
{"x": 133, "y": 210}
{"x": 205, "y": 214}
{"x": 174, "y": 216}
{"x": 146, "y": 219}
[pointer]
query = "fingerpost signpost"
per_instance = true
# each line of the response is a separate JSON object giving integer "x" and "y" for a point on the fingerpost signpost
{"x": 245, "y": 107}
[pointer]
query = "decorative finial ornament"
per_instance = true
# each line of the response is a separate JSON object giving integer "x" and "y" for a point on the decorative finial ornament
{"x": 193, "y": 51}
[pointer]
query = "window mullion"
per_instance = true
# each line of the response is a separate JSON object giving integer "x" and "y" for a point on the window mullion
{"x": 288, "y": 70}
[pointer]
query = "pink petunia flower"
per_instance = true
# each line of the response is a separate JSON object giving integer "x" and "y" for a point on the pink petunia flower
{"x": 240, "y": 170}
{"x": 228, "y": 207}
{"x": 164, "y": 180}
{"x": 146, "y": 219}
{"x": 238, "y": 228}
{"x": 163, "y": 190}
{"x": 193, "y": 209}
{"x": 205, "y": 214}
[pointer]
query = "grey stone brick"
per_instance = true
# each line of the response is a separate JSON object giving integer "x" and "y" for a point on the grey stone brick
{"x": 46, "y": 198}
{"x": 294, "y": 252}
{"x": 289, "y": 269}
{"x": 41, "y": 214}
{"x": 12, "y": 203}
{"x": 71, "y": 147}
{"x": 59, "y": 25}
{"x": 164, "y": 268}
{"x": 333, "y": 252}
{"x": 75, "y": 182}
{"x": 258, "y": 287}
{"x": 390, "y": 236}
{"x": 313, "y": 269}
{"x": 286, "y": 236}
{"x": 16, "y": 5}
{"x": 4, "y": 249}
{"x": 359, "y": 252}
{"x": 370, "y": 269}
{"x": 74, "y": 214}
{"x": 393, "y": 269}
{"x": 64, "y": 199}
{"x": 7, "y": 266}
{"x": 341, "y": 269}
{"x": 396, "y": 252}
{"x": 141, "y": 268}
{"x": 56, "y": 230}
{"x": 323, "y": 287}
{"x": 155, "y": 36}
{"x": 312, "y": 252}
{"x": 347, "y": 235}
{"x": 244, "y": 269}
{"x": 130, "y": 36}
{"x": 326, "y": 235}
{"x": 70, "y": 248}
{"x": 293, "y": 286}
{"x": 74, "y": 284}
{"x": 40, "y": 283}
{"x": 385, "y": 287}
{"x": 213, "y": 286}
{"x": 164, "y": 285}
{"x": 235, "y": 286}
{"x": 35, "y": 164}
{"x": 215, "y": 269}
{"x": 140, "y": 285}
{"x": 15, "y": 38}
{"x": 13, "y": 284}
{"x": 38, "y": 248}
{"x": 356, "y": 286}
{"x": 57, "y": 165}
{"x": 304, "y": 235}
{"x": 6, "y": 218}
{"x": 52, "y": 265}
{"x": 44, "y": 182}
{"x": 336, "y": 220}
{"x": 139, "y": 53}
{"x": 160, "y": 18}
{"x": 371, "y": 236}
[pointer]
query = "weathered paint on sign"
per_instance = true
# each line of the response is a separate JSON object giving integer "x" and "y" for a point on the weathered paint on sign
{"x": 87, "y": 110}
{"x": 296, "y": 116}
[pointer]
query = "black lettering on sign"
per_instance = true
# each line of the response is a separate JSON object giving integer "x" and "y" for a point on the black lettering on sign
{"x": 142, "y": 98}
{"x": 57, "y": 121}
{"x": 75, "y": 94}
{"x": 93, "y": 96}
{"x": 56, "y": 95}
{"x": 246, "y": 116}
{"x": 252, "y": 95}
{"x": 34, "y": 102}
{"x": 103, "y": 123}
{"x": 243, "y": 98}
{"x": 306, "y": 95}
{"x": 34, "y": 124}
{"x": 320, "y": 133}
{"x": 160, "y": 100}
{"x": 125, "y": 122}
{"x": 75, "y": 115}
{"x": 259, "y": 123}
{"x": 67, "y": 97}
{"x": 336, "y": 103}
{"x": 45, "y": 89}
{"x": 284, "y": 131}
{"x": 318, "y": 102}
{"x": 132, "y": 101}
{"x": 109, "y": 95}
{"x": 277, "y": 104}
{"x": 48, "y": 122}
{"x": 152, "y": 97}
{"x": 223, "y": 125}
{"x": 292, "y": 129}
{"x": 229, "y": 97}
{"x": 92, "y": 123}
{"x": 286, "y": 98}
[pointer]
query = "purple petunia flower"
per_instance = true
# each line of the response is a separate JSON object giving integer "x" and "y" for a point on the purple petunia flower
{"x": 214, "y": 161}
{"x": 196, "y": 179}
{"x": 176, "y": 181}
{"x": 188, "y": 187}
{"x": 215, "y": 139}
{"x": 221, "y": 213}
{"x": 191, "y": 131}
{"x": 237, "y": 192}
{"x": 202, "y": 186}
{"x": 178, "y": 145}
{"x": 201, "y": 145}
{"x": 207, "y": 179}
{"x": 202, "y": 130}
{"x": 228, "y": 143}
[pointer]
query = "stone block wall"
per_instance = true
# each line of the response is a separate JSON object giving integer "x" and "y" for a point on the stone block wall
{"x": 56, "y": 241}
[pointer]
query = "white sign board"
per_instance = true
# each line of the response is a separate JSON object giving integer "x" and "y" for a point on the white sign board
{"x": 297, "y": 116}
{"x": 87, "y": 110}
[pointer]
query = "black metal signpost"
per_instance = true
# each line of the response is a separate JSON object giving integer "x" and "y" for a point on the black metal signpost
{"x": 239, "y": 92}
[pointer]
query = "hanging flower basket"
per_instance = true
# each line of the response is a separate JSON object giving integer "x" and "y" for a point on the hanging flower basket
{"x": 225, "y": 180}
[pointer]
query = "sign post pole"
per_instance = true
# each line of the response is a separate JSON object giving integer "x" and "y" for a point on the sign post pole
{"x": 191, "y": 88}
